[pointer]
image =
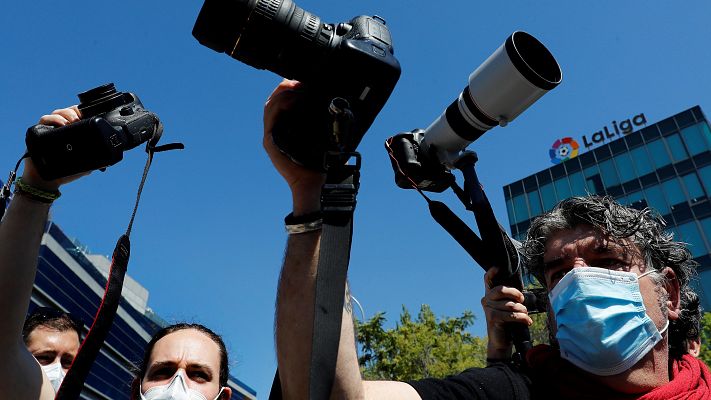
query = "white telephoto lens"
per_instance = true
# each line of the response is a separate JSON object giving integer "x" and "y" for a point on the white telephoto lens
{"x": 517, "y": 74}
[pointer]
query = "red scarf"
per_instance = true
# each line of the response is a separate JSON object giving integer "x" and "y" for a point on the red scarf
{"x": 691, "y": 379}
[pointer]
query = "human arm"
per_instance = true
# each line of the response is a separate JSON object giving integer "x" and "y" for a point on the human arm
{"x": 501, "y": 304}
{"x": 296, "y": 292}
{"x": 20, "y": 237}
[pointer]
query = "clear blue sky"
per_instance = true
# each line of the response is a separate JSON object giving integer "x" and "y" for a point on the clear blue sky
{"x": 209, "y": 238}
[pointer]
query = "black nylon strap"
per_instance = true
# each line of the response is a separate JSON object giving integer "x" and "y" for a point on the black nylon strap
{"x": 338, "y": 201}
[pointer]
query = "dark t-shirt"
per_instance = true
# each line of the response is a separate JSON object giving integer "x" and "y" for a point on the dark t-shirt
{"x": 498, "y": 381}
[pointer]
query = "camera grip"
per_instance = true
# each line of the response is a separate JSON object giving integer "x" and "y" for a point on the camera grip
{"x": 83, "y": 146}
{"x": 303, "y": 132}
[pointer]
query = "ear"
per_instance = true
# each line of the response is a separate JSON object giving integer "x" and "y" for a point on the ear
{"x": 226, "y": 393}
{"x": 671, "y": 285}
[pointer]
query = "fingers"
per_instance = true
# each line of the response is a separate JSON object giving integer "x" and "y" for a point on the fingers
{"x": 499, "y": 317}
{"x": 282, "y": 98}
{"x": 503, "y": 304}
{"x": 61, "y": 117}
{"x": 489, "y": 277}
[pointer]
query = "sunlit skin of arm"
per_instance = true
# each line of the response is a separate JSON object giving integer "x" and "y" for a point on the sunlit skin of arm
{"x": 20, "y": 235}
{"x": 295, "y": 298}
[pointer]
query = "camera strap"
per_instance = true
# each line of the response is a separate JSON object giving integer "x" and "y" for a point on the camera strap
{"x": 5, "y": 192}
{"x": 73, "y": 383}
{"x": 494, "y": 248}
{"x": 338, "y": 202}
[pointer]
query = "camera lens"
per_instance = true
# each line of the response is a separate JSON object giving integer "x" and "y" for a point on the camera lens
{"x": 533, "y": 60}
{"x": 276, "y": 35}
{"x": 100, "y": 100}
{"x": 517, "y": 74}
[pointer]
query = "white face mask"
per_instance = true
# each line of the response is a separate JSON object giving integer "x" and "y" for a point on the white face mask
{"x": 55, "y": 373}
{"x": 176, "y": 389}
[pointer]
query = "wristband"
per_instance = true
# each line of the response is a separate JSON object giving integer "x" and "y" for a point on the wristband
{"x": 34, "y": 193}
{"x": 303, "y": 223}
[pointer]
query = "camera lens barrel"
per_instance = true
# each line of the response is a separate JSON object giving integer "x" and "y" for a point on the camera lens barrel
{"x": 276, "y": 35}
{"x": 100, "y": 100}
{"x": 517, "y": 74}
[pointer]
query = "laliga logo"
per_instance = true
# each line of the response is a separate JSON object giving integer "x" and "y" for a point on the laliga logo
{"x": 563, "y": 150}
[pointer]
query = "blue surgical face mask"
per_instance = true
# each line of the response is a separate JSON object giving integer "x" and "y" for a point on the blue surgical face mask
{"x": 603, "y": 327}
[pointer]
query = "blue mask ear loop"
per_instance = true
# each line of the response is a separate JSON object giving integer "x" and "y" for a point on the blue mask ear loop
{"x": 666, "y": 326}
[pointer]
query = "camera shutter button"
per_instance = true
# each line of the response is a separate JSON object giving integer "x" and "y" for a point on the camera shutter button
{"x": 126, "y": 111}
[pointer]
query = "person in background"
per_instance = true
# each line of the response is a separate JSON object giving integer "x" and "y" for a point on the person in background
{"x": 53, "y": 337}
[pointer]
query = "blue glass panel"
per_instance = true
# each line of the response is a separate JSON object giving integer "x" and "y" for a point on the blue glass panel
{"x": 577, "y": 184}
{"x": 624, "y": 167}
{"x": 655, "y": 199}
{"x": 534, "y": 204}
{"x": 636, "y": 196}
{"x": 591, "y": 171}
{"x": 689, "y": 233}
{"x": 693, "y": 187}
{"x": 609, "y": 175}
{"x": 520, "y": 208}
{"x": 673, "y": 192}
{"x": 548, "y": 196}
{"x": 694, "y": 138}
{"x": 659, "y": 154}
{"x": 705, "y": 174}
{"x": 510, "y": 211}
{"x": 641, "y": 161}
{"x": 677, "y": 148}
{"x": 706, "y": 228}
{"x": 562, "y": 188}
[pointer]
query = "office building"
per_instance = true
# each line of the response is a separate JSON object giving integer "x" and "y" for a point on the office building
{"x": 666, "y": 166}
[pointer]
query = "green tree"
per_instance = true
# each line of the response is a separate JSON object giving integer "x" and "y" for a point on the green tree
{"x": 539, "y": 329}
{"x": 705, "y": 334}
{"x": 421, "y": 348}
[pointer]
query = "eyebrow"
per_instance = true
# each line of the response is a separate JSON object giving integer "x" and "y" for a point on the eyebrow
{"x": 604, "y": 248}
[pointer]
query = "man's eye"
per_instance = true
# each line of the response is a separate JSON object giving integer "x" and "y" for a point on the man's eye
{"x": 67, "y": 361}
{"x": 161, "y": 373}
{"x": 44, "y": 359}
{"x": 199, "y": 376}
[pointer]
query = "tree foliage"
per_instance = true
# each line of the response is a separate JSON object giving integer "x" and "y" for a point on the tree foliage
{"x": 705, "y": 353}
{"x": 426, "y": 347}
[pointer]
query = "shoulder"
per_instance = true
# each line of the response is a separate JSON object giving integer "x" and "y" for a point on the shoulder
{"x": 498, "y": 381}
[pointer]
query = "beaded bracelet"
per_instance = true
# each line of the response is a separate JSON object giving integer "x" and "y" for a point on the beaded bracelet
{"x": 34, "y": 193}
{"x": 303, "y": 223}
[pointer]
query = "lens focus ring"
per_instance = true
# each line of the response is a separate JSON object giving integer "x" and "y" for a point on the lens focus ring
{"x": 268, "y": 8}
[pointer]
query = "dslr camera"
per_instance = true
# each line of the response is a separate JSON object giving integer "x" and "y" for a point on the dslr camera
{"x": 352, "y": 60}
{"x": 112, "y": 122}
{"x": 514, "y": 77}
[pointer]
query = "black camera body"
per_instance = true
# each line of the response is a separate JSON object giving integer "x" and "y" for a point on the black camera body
{"x": 112, "y": 122}
{"x": 412, "y": 163}
{"x": 352, "y": 60}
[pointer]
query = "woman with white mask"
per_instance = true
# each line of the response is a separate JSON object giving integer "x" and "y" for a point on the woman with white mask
{"x": 183, "y": 362}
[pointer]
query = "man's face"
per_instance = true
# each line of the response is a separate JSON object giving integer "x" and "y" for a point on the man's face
{"x": 50, "y": 346}
{"x": 188, "y": 352}
{"x": 586, "y": 246}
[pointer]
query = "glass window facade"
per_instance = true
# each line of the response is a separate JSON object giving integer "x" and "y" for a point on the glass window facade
{"x": 665, "y": 166}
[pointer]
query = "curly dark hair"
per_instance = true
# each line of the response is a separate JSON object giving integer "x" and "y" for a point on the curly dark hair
{"x": 140, "y": 372}
{"x": 644, "y": 228}
{"x": 51, "y": 318}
